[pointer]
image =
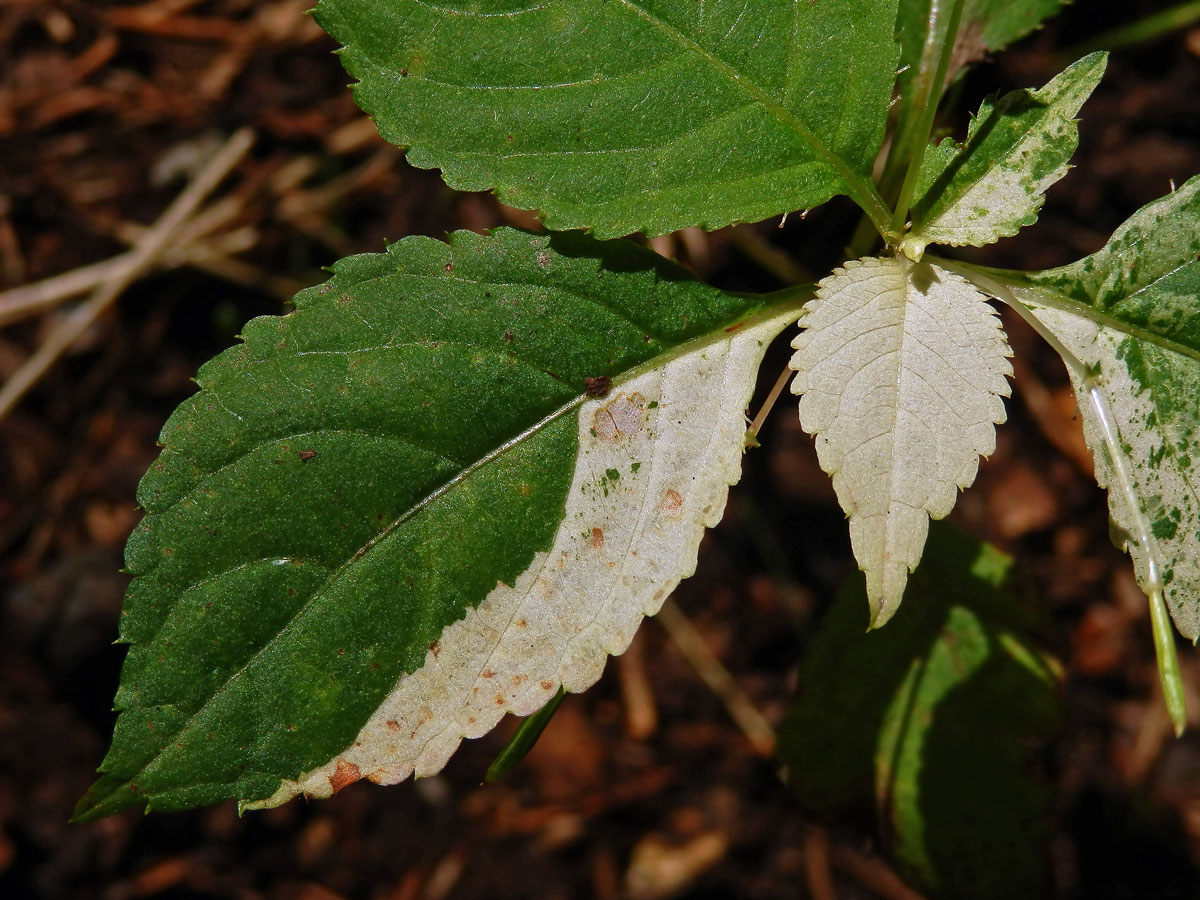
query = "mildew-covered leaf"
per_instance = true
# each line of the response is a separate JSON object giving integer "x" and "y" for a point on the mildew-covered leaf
{"x": 901, "y": 368}
{"x": 454, "y": 479}
{"x": 1131, "y": 314}
{"x": 1015, "y": 149}
{"x": 630, "y": 115}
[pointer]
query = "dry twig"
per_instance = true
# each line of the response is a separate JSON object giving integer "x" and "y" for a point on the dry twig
{"x": 152, "y": 245}
{"x": 741, "y": 709}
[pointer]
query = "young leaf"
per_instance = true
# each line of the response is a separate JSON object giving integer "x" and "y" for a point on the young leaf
{"x": 1015, "y": 149}
{"x": 901, "y": 368}
{"x": 631, "y": 116}
{"x": 454, "y": 479}
{"x": 1129, "y": 314}
{"x": 932, "y": 720}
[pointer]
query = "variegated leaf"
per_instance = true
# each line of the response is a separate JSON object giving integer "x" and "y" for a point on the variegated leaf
{"x": 1130, "y": 313}
{"x": 1015, "y": 149}
{"x": 455, "y": 478}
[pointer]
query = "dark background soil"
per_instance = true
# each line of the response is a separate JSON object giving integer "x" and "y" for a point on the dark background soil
{"x": 643, "y": 787}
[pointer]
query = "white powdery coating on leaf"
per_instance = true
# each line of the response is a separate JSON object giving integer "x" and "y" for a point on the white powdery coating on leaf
{"x": 1159, "y": 451}
{"x": 901, "y": 368}
{"x": 673, "y": 437}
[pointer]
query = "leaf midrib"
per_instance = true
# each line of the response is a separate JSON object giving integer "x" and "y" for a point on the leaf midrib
{"x": 693, "y": 345}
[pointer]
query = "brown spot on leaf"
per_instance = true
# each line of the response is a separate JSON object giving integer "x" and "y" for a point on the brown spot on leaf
{"x": 393, "y": 725}
{"x": 306, "y": 455}
{"x": 487, "y": 673}
{"x": 499, "y": 699}
{"x": 598, "y": 386}
{"x": 620, "y": 418}
{"x": 345, "y": 774}
{"x": 597, "y": 541}
{"x": 672, "y": 503}
{"x": 547, "y": 685}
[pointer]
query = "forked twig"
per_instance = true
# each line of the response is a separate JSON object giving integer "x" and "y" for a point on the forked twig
{"x": 152, "y": 244}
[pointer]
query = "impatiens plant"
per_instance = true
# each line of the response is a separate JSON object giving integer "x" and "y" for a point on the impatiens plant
{"x": 455, "y": 479}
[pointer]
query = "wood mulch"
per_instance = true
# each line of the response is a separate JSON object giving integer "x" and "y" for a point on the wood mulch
{"x": 644, "y": 787}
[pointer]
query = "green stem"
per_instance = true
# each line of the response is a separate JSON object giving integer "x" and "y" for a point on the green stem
{"x": 928, "y": 84}
{"x": 1168, "y": 662}
{"x": 1144, "y": 29}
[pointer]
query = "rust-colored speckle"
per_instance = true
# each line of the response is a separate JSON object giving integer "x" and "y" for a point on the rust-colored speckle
{"x": 521, "y": 623}
{"x": 517, "y": 679}
{"x": 345, "y": 774}
{"x": 597, "y": 541}
{"x": 487, "y": 673}
{"x": 499, "y": 699}
{"x": 393, "y": 725}
{"x": 435, "y": 648}
{"x": 547, "y": 685}
{"x": 598, "y": 385}
{"x": 448, "y": 268}
{"x": 620, "y": 418}
{"x": 306, "y": 455}
{"x": 672, "y": 504}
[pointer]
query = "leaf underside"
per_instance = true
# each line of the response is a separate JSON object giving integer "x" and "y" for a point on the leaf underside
{"x": 361, "y": 488}
{"x": 628, "y": 116}
{"x": 901, "y": 368}
{"x": 1131, "y": 312}
{"x": 1016, "y": 148}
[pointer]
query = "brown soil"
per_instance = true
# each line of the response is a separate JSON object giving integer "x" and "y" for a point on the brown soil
{"x": 643, "y": 787}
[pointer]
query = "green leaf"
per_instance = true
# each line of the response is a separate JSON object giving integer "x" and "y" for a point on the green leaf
{"x": 901, "y": 368}
{"x": 454, "y": 479}
{"x": 628, "y": 116}
{"x": 1131, "y": 314}
{"x": 1015, "y": 150}
{"x": 932, "y": 720}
